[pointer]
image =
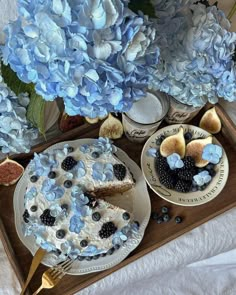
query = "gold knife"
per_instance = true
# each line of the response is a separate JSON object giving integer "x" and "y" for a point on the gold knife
{"x": 38, "y": 256}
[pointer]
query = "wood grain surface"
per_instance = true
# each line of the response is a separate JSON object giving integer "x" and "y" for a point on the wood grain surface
{"x": 155, "y": 235}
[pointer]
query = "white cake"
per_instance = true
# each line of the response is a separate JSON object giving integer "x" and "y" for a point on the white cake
{"x": 61, "y": 207}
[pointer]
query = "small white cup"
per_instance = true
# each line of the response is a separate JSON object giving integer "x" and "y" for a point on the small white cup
{"x": 143, "y": 119}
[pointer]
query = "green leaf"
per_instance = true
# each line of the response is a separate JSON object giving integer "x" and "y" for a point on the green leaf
{"x": 36, "y": 107}
{"x": 13, "y": 82}
{"x": 144, "y": 5}
{"x": 35, "y": 112}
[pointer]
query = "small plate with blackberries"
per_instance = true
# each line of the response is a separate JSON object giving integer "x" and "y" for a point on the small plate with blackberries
{"x": 185, "y": 165}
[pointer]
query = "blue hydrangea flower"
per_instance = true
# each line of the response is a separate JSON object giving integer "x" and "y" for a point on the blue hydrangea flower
{"x": 102, "y": 172}
{"x": 212, "y": 153}
{"x": 152, "y": 152}
{"x": 95, "y": 56}
{"x": 56, "y": 210}
{"x": 79, "y": 206}
{"x": 84, "y": 148}
{"x": 77, "y": 192}
{"x": 80, "y": 169}
{"x": 196, "y": 63}
{"x": 16, "y": 134}
{"x": 51, "y": 190}
{"x": 44, "y": 244}
{"x": 92, "y": 250}
{"x": 119, "y": 238}
{"x": 174, "y": 161}
{"x": 31, "y": 193}
{"x": 42, "y": 164}
{"x": 202, "y": 178}
{"x": 68, "y": 249}
{"x": 104, "y": 145}
{"x": 76, "y": 224}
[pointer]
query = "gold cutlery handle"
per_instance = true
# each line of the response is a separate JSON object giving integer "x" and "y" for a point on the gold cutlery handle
{"x": 34, "y": 265}
{"x": 39, "y": 289}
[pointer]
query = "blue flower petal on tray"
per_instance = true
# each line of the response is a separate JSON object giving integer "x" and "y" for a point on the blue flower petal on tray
{"x": 174, "y": 161}
{"x": 212, "y": 153}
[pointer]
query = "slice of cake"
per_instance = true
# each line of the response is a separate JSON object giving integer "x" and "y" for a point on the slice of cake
{"x": 60, "y": 210}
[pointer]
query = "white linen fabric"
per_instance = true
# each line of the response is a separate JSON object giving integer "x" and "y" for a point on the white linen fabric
{"x": 201, "y": 262}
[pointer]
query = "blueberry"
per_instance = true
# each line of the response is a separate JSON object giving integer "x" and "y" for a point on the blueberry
{"x": 126, "y": 216}
{"x": 202, "y": 187}
{"x": 154, "y": 215}
{"x": 33, "y": 178}
{"x": 89, "y": 258}
{"x": 68, "y": 184}
{"x": 111, "y": 251}
{"x": 60, "y": 234}
{"x": 160, "y": 220}
{"x": 212, "y": 172}
{"x": 33, "y": 208}
{"x": 64, "y": 207}
{"x": 84, "y": 243}
{"x": 81, "y": 258}
{"x": 52, "y": 174}
{"x": 194, "y": 188}
{"x": 166, "y": 217}
{"x": 137, "y": 223}
{"x": 70, "y": 149}
{"x": 95, "y": 155}
{"x": 160, "y": 139}
{"x": 164, "y": 209}
{"x": 117, "y": 246}
{"x": 178, "y": 219}
{"x": 210, "y": 166}
{"x": 188, "y": 135}
{"x": 95, "y": 257}
{"x": 103, "y": 254}
{"x": 96, "y": 216}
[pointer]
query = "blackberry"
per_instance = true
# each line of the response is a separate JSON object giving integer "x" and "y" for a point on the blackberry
{"x": 212, "y": 172}
{"x": 47, "y": 218}
{"x": 126, "y": 216}
{"x": 183, "y": 186}
{"x": 107, "y": 230}
{"x": 34, "y": 178}
{"x": 26, "y": 216}
{"x": 188, "y": 162}
{"x": 92, "y": 203}
{"x": 161, "y": 164}
{"x": 68, "y": 163}
{"x": 167, "y": 180}
{"x": 187, "y": 174}
{"x": 96, "y": 216}
{"x": 119, "y": 171}
{"x": 52, "y": 174}
{"x": 33, "y": 208}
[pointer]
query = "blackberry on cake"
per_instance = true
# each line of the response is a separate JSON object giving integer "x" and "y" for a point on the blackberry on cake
{"x": 107, "y": 230}
{"x": 119, "y": 171}
{"x": 47, "y": 218}
{"x": 68, "y": 163}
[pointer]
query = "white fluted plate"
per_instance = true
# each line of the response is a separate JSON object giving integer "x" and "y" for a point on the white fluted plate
{"x": 136, "y": 201}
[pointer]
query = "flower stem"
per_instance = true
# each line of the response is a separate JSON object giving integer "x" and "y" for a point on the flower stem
{"x": 232, "y": 11}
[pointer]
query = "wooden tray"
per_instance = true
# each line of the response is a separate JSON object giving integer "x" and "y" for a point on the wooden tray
{"x": 155, "y": 235}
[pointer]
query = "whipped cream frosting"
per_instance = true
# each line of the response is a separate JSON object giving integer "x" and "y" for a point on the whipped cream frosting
{"x": 69, "y": 205}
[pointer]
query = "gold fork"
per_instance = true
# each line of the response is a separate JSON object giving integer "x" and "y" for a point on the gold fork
{"x": 53, "y": 275}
